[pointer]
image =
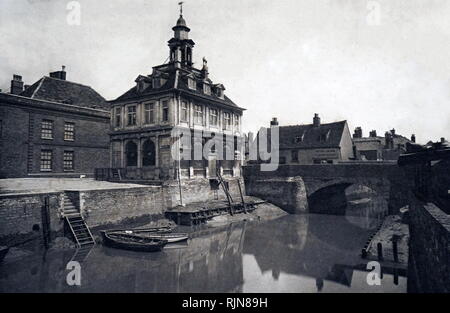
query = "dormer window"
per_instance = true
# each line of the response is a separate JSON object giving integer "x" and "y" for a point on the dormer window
{"x": 191, "y": 83}
{"x": 156, "y": 82}
{"x": 206, "y": 89}
{"x": 299, "y": 138}
{"x": 220, "y": 93}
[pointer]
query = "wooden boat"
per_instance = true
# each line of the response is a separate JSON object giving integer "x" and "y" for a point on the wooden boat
{"x": 126, "y": 241}
{"x": 3, "y": 252}
{"x": 161, "y": 229}
{"x": 170, "y": 237}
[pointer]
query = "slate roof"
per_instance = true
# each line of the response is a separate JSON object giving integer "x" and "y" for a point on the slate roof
{"x": 63, "y": 91}
{"x": 307, "y": 136}
{"x": 177, "y": 80}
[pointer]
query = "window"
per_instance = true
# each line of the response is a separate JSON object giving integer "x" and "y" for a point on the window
{"x": 148, "y": 153}
{"x": 69, "y": 131}
{"x": 236, "y": 122}
{"x": 198, "y": 114}
{"x": 149, "y": 113}
{"x": 220, "y": 93}
{"x": 165, "y": 112}
{"x": 184, "y": 111}
{"x": 213, "y": 117}
{"x": 191, "y": 83}
{"x": 68, "y": 161}
{"x": 207, "y": 89}
{"x": 131, "y": 115}
{"x": 294, "y": 155}
{"x": 118, "y": 117}
{"x": 226, "y": 120}
{"x": 299, "y": 138}
{"x": 47, "y": 129}
{"x": 46, "y": 160}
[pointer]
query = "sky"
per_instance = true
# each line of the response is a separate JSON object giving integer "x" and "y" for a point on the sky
{"x": 379, "y": 64}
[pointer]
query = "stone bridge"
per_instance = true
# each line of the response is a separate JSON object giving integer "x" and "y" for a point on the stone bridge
{"x": 296, "y": 187}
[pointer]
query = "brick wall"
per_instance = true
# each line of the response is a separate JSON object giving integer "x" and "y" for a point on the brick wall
{"x": 200, "y": 190}
{"x": 112, "y": 206}
{"x": 21, "y": 143}
{"x": 429, "y": 248}
{"x": 19, "y": 213}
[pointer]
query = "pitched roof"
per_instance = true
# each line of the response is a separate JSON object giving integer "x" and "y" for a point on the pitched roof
{"x": 308, "y": 136}
{"x": 63, "y": 91}
{"x": 177, "y": 80}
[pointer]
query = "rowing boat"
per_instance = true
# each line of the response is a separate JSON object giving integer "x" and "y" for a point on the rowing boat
{"x": 126, "y": 241}
{"x": 170, "y": 237}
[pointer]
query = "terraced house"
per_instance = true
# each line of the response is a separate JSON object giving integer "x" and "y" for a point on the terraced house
{"x": 175, "y": 94}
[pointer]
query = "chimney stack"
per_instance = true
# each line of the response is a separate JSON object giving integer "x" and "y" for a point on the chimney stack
{"x": 274, "y": 122}
{"x": 373, "y": 133}
{"x": 393, "y": 131}
{"x": 442, "y": 139}
{"x": 413, "y": 138}
{"x": 316, "y": 120}
{"x": 16, "y": 84}
{"x": 358, "y": 132}
{"x": 59, "y": 74}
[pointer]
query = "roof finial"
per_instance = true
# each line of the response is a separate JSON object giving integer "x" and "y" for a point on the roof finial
{"x": 181, "y": 7}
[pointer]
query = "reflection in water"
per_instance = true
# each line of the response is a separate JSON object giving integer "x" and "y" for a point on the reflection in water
{"x": 292, "y": 254}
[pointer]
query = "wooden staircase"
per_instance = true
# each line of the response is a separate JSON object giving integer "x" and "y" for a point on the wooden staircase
{"x": 226, "y": 191}
{"x": 76, "y": 223}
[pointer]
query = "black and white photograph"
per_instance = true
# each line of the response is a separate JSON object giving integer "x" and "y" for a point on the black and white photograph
{"x": 224, "y": 151}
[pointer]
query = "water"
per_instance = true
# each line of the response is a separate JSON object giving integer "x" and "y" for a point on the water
{"x": 303, "y": 253}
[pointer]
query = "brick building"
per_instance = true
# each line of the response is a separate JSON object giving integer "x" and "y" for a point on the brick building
{"x": 175, "y": 94}
{"x": 314, "y": 143}
{"x": 380, "y": 148}
{"x": 52, "y": 128}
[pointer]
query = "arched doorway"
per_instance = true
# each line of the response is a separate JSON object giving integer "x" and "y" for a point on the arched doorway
{"x": 131, "y": 153}
{"x": 148, "y": 153}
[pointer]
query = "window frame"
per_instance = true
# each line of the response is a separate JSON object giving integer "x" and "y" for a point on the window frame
{"x": 149, "y": 114}
{"x": 118, "y": 117}
{"x": 165, "y": 116}
{"x": 72, "y": 160}
{"x": 184, "y": 112}
{"x": 46, "y": 164}
{"x": 198, "y": 114}
{"x": 132, "y": 114}
{"x": 213, "y": 117}
{"x": 192, "y": 83}
{"x": 67, "y": 131}
{"x": 47, "y": 130}
{"x": 227, "y": 120}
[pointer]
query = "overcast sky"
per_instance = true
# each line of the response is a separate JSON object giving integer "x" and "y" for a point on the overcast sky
{"x": 284, "y": 58}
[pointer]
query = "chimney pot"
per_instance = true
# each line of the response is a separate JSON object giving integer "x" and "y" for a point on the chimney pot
{"x": 413, "y": 138}
{"x": 442, "y": 139}
{"x": 16, "y": 84}
{"x": 59, "y": 74}
{"x": 316, "y": 120}
{"x": 274, "y": 122}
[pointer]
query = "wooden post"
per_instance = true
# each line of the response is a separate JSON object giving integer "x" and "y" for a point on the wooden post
{"x": 380, "y": 251}
{"x": 395, "y": 249}
{"x": 242, "y": 196}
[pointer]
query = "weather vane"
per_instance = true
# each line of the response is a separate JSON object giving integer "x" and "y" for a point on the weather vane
{"x": 181, "y": 7}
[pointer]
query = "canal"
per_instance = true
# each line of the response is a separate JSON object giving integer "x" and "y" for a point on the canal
{"x": 301, "y": 253}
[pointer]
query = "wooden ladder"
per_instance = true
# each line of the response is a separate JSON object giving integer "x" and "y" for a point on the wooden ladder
{"x": 227, "y": 193}
{"x": 76, "y": 223}
{"x": 80, "y": 230}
